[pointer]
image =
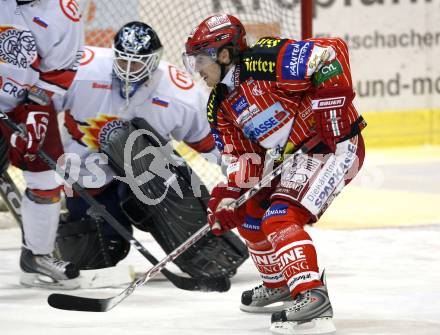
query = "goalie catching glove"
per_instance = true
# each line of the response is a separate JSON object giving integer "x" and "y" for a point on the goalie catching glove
{"x": 330, "y": 108}
{"x": 222, "y": 217}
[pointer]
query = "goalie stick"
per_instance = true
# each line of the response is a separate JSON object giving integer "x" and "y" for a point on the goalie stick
{"x": 220, "y": 284}
{"x": 77, "y": 303}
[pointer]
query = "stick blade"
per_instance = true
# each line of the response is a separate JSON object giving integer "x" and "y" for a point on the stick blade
{"x": 75, "y": 303}
{"x": 216, "y": 284}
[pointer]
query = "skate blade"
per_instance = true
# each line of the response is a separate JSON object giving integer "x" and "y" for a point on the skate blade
{"x": 314, "y": 327}
{"x": 272, "y": 308}
{"x": 42, "y": 281}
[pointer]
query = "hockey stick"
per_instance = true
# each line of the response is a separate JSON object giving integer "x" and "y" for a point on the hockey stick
{"x": 77, "y": 303}
{"x": 11, "y": 196}
{"x": 8, "y": 190}
{"x": 220, "y": 284}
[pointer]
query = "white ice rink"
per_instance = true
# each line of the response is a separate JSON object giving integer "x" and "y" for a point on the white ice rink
{"x": 381, "y": 281}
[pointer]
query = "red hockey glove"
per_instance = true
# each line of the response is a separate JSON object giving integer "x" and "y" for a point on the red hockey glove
{"x": 221, "y": 216}
{"x": 330, "y": 108}
{"x": 36, "y": 128}
{"x": 36, "y": 112}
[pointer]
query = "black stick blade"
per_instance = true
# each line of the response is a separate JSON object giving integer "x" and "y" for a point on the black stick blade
{"x": 75, "y": 303}
{"x": 216, "y": 284}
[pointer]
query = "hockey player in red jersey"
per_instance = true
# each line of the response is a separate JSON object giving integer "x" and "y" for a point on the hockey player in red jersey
{"x": 274, "y": 97}
{"x": 40, "y": 45}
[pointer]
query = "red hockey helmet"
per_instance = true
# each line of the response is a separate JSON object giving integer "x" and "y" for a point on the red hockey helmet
{"x": 208, "y": 37}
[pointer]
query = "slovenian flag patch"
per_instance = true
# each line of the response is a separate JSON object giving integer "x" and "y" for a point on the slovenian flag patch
{"x": 160, "y": 102}
{"x": 40, "y": 22}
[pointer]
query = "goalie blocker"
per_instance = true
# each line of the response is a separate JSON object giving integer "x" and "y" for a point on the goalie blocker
{"x": 91, "y": 244}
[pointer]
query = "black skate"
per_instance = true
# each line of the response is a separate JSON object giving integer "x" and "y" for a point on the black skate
{"x": 311, "y": 313}
{"x": 262, "y": 299}
{"x": 47, "y": 271}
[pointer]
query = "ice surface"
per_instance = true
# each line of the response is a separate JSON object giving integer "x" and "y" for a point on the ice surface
{"x": 381, "y": 281}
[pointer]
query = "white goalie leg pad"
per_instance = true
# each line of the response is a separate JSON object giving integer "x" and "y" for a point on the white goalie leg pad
{"x": 314, "y": 327}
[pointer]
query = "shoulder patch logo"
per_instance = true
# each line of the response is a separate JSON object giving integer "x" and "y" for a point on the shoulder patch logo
{"x": 180, "y": 78}
{"x": 295, "y": 59}
{"x": 327, "y": 72}
{"x": 17, "y": 47}
{"x": 71, "y": 9}
{"x": 87, "y": 56}
{"x": 159, "y": 102}
{"x": 40, "y": 22}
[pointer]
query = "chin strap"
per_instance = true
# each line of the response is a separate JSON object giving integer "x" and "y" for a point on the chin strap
{"x": 222, "y": 70}
{"x": 127, "y": 89}
{"x": 223, "y": 66}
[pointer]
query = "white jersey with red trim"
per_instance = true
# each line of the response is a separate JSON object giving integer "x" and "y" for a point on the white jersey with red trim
{"x": 39, "y": 45}
{"x": 58, "y": 32}
{"x": 172, "y": 103}
{"x": 18, "y": 52}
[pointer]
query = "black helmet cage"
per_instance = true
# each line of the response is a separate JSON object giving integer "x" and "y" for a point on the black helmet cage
{"x": 137, "y": 51}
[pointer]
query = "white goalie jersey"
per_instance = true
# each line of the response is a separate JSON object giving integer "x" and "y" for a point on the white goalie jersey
{"x": 40, "y": 44}
{"x": 171, "y": 102}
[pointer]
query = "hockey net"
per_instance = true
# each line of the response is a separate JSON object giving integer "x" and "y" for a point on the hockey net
{"x": 174, "y": 19}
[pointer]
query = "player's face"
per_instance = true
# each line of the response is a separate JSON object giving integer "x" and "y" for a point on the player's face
{"x": 211, "y": 74}
{"x": 204, "y": 63}
{"x": 131, "y": 67}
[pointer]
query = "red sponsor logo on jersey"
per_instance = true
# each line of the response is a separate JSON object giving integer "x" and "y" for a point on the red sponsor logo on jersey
{"x": 279, "y": 115}
{"x": 71, "y": 9}
{"x": 180, "y": 78}
{"x": 87, "y": 56}
{"x": 102, "y": 86}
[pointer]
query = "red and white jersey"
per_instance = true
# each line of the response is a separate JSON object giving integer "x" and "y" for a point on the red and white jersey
{"x": 39, "y": 46}
{"x": 58, "y": 32}
{"x": 266, "y": 101}
{"x": 18, "y": 52}
{"x": 172, "y": 103}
